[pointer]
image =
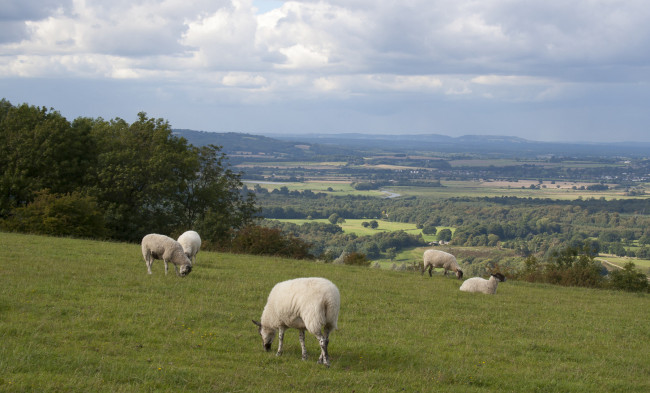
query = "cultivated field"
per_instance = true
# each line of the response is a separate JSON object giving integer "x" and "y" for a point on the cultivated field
{"x": 83, "y": 316}
{"x": 456, "y": 188}
{"x": 356, "y": 226}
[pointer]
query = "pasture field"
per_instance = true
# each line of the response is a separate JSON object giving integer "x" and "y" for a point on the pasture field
{"x": 339, "y": 188}
{"x": 519, "y": 189}
{"x": 458, "y": 188}
{"x": 355, "y": 226}
{"x": 83, "y": 316}
{"x": 642, "y": 265}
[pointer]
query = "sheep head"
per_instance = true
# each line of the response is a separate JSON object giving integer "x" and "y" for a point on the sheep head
{"x": 184, "y": 270}
{"x": 500, "y": 277}
{"x": 459, "y": 274}
{"x": 267, "y": 335}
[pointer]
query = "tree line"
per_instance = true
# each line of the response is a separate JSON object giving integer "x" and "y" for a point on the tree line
{"x": 109, "y": 179}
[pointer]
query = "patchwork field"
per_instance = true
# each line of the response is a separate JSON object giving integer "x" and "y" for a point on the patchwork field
{"x": 83, "y": 316}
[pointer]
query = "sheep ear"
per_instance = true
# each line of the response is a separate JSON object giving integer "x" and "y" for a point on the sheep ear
{"x": 257, "y": 323}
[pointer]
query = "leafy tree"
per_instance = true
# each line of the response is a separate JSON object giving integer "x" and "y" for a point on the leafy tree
{"x": 374, "y": 224}
{"x": 429, "y": 230}
{"x": 212, "y": 201}
{"x": 391, "y": 253}
{"x": 140, "y": 175}
{"x": 259, "y": 240}
{"x": 40, "y": 149}
{"x": 333, "y": 218}
{"x": 58, "y": 215}
{"x": 628, "y": 279}
{"x": 444, "y": 235}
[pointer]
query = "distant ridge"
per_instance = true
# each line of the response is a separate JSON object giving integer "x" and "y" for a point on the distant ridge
{"x": 354, "y": 143}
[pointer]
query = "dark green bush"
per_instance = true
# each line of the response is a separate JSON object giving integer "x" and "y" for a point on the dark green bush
{"x": 72, "y": 214}
{"x": 356, "y": 258}
{"x": 259, "y": 240}
{"x": 629, "y": 279}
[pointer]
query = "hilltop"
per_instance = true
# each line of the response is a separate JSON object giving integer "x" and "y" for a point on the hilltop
{"x": 79, "y": 316}
{"x": 349, "y": 143}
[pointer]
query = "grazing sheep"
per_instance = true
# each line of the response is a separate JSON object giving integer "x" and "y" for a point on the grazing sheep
{"x": 478, "y": 284}
{"x": 436, "y": 258}
{"x": 191, "y": 243}
{"x": 156, "y": 246}
{"x": 303, "y": 303}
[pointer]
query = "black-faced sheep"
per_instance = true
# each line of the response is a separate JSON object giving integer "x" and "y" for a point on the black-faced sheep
{"x": 191, "y": 243}
{"x": 156, "y": 246}
{"x": 303, "y": 303}
{"x": 478, "y": 284}
{"x": 436, "y": 258}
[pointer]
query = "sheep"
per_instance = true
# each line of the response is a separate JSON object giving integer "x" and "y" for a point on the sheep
{"x": 436, "y": 258}
{"x": 303, "y": 303}
{"x": 191, "y": 243}
{"x": 156, "y": 246}
{"x": 478, "y": 284}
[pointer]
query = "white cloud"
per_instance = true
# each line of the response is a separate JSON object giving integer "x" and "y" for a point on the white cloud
{"x": 307, "y": 50}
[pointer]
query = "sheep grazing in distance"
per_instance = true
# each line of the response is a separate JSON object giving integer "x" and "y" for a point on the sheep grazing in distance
{"x": 303, "y": 303}
{"x": 436, "y": 258}
{"x": 191, "y": 243}
{"x": 478, "y": 284}
{"x": 156, "y": 246}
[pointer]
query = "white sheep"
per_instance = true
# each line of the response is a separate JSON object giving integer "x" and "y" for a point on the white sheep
{"x": 303, "y": 303}
{"x": 478, "y": 284}
{"x": 191, "y": 243}
{"x": 436, "y": 258}
{"x": 156, "y": 246}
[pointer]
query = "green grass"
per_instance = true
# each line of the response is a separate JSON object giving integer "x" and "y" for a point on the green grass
{"x": 83, "y": 316}
{"x": 355, "y": 226}
{"x": 457, "y": 188}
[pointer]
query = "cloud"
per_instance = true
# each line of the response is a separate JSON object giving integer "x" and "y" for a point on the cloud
{"x": 358, "y": 51}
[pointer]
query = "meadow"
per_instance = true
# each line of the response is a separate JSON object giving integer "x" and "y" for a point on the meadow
{"x": 355, "y": 226}
{"x": 457, "y": 188}
{"x": 83, "y": 316}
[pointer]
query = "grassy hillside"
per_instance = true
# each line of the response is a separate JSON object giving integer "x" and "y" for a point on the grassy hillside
{"x": 83, "y": 316}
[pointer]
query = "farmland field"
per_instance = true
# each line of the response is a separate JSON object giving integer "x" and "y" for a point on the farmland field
{"x": 80, "y": 316}
{"x": 457, "y": 188}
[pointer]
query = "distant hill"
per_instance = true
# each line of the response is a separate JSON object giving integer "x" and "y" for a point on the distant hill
{"x": 241, "y": 144}
{"x": 351, "y": 144}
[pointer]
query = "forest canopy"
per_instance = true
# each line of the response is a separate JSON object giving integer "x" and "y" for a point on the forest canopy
{"x": 109, "y": 179}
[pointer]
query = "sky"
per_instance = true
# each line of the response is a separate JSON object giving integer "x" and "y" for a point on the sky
{"x": 544, "y": 70}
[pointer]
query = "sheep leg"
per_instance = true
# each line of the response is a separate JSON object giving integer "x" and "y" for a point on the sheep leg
{"x": 280, "y": 340}
{"x": 164, "y": 260}
{"x": 149, "y": 262}
{"x": 430, "y": 270}
{"x": 302, "y": 344}
{"x": 323, "y": 340}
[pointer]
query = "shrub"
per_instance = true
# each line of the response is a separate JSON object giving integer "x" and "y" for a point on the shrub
{"x": 628, "y": 279}
{"x": 567, "y": 267}
{"x": 429, "y": 230}
{"x": 355, "y": 258}
{"x": 72, "y": 214}
{"x": 259, "y": 240}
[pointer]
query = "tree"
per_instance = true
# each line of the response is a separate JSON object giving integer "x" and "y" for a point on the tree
{"x": 333, "y": 218}
{"x": 391, "y": 253}
{"x": 58, "y": 215}
{"x": 429, "y": 230}
{"x": 212, "y": 200}
{"x": 374, "y": 224}
{"x": 628, "y": 279}
{"x": 444, "y": 235}
{"x": 140, "y": 175}
{"x": 40, "y": 149}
